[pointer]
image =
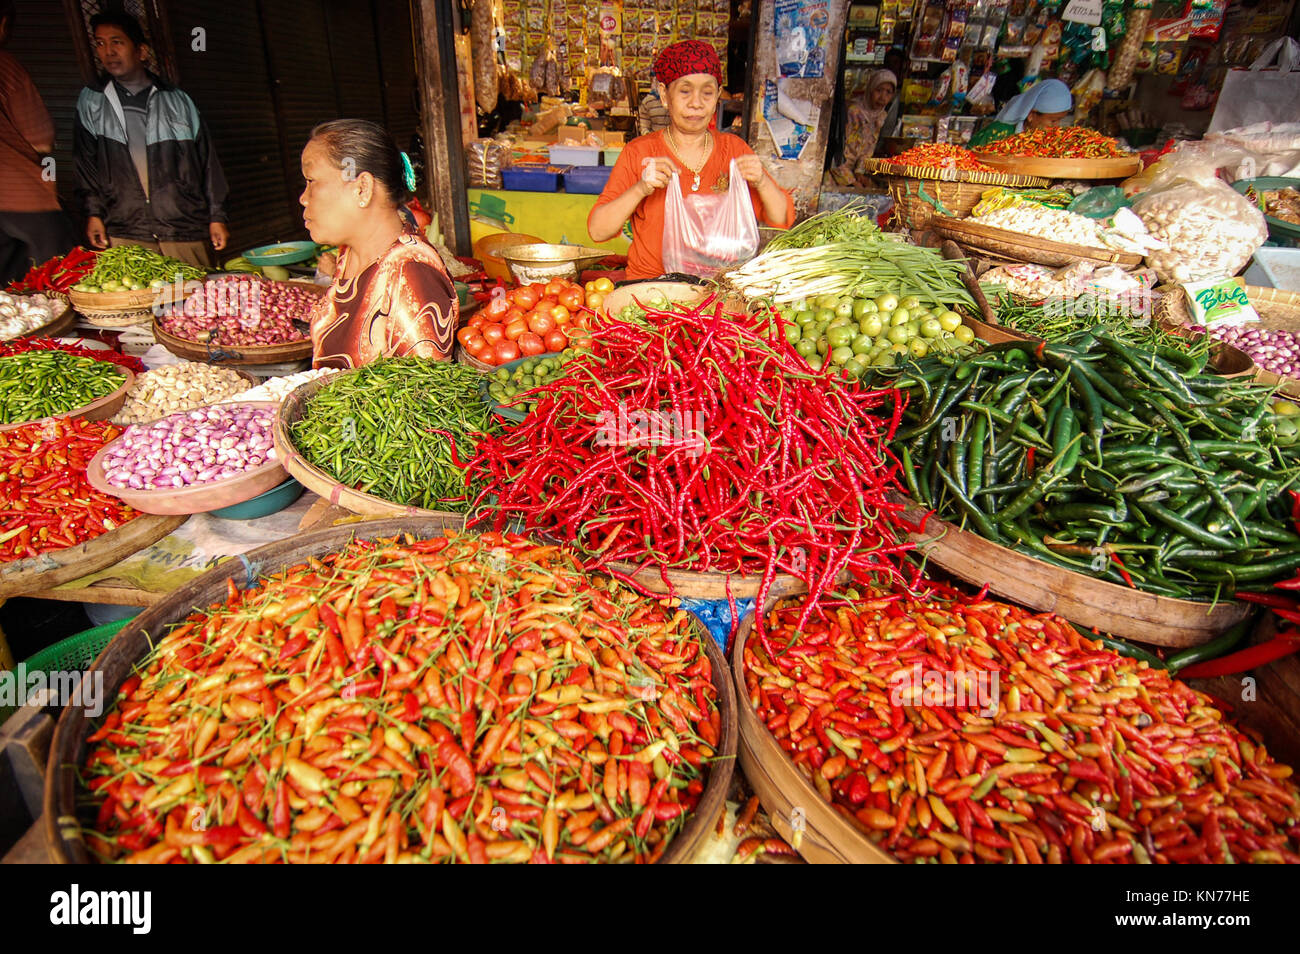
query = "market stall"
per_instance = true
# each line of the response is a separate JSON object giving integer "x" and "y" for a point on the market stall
{"x": 860, "y": 550}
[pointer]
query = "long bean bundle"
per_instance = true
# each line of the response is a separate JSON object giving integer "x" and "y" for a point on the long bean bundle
{"x": 1129, "y": 463}
{"x": 400, "y": 429}
{"x": 702, "y": 441}
{"x": 843, "y": 253}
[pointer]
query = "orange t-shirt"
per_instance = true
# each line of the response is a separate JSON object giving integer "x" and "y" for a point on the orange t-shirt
{"x": 645, "y": 257}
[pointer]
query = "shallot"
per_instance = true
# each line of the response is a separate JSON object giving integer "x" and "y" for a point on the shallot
{"x": 193, "y": 447}
{"x": 1273, "y": 350}
{"x": 241, "y": 311}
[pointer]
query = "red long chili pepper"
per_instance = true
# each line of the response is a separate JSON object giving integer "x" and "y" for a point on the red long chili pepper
{"x": 23, "y": 345}
{"x": 1072, "y": 142}
{"x": 1251, "y": 657}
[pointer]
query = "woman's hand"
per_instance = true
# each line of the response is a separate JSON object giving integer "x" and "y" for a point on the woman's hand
{"x": 655, "y": 175}
{"x": 751, "y": 169}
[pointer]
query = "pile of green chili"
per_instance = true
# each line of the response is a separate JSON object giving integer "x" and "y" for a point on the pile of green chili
{"x": 1087, "y": 312}
{"x": 133, "y": 268}
{"x": 1132, "y": 464}
{"x": 400, "y": 429}
{"x": 37, "y": 384}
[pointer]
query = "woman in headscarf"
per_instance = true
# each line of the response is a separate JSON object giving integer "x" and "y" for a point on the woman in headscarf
{"x": 689, "y": 78}
{"x": 391, "y": 295}
{"x": 867, "y": 117}
{"x": 1044, "y": 105}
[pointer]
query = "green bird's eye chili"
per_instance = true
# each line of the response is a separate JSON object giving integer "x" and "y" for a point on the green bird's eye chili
{"x": 37, "y": 384}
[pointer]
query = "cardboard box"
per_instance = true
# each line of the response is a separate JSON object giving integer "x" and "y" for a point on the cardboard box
{"x": 576, "y": 132}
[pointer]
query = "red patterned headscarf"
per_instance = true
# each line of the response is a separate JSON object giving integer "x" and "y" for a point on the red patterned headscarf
{"x": 687, "y": 57}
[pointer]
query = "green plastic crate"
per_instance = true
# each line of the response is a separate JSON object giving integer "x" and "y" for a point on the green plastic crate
{"x": 74, "y": 653}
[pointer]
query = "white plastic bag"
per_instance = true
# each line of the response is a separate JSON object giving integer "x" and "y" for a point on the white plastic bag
{"x": 1211, "y": 230}
{"x": 1261, "y": 93}
{"x": 706, "y": 232}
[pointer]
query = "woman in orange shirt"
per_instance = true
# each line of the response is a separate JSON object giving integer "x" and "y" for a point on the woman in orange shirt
{"x": 391, "y": 295}
{"x": 689, "y": 77}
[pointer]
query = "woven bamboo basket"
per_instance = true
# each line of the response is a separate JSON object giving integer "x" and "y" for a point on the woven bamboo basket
{"x": 1003, "y": 245}
{"x": 920, "y": 193}
{"x": 119, "y": 309}
{"x": 1279, "y": 310}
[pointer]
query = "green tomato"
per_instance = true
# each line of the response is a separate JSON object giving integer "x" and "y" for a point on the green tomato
{"x": 804, "y": 318}
{"x": 949, "y": 320}
{"x": 871, "y": 325}
{"x": 863, "y": 307}
{"x": 913, "y": 328}
{"x": 840, "y": 355}
{"x": 828, "y": 301}
{"x": 845, "y": 308}
{"x": 885, "y": 359}
{"x": 1285, "y": 408}
{"x": 840, "y": 337}
{"x": 897, "y": 335}
{"x": 823, "y": 345}
{"x": 825, "y": 315}
{"x": 806, "y": 347}
{"x": 862, "y": 344}
{"x": 903, "y": 349}
{"x": 793, "y": 334}
{"x": 964, "y": 335}
{"x": 910, "y": 302}
{"x": 919, "y": 348}
{"x": 801, "y": 305}
{"x": 930, "y": 328}
{"x": 839, "y": 321}
{"x": 900, "y": 316}
{"x": 887, "y": 302}
{"x": 815, "y": 362}
{"x": 855, "y": 367}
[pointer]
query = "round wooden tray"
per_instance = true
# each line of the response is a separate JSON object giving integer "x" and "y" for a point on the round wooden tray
{"x": 119, "y": 309}
{"x": 828, "y": 836}
{"x": 1014, "y": 247}
{"x": 1114, "y": 168}
{"x": 1279, "y": 310}
{"x": 708, "y": 585}
{"x": 68, "y": 748}
{"x": 321, "y": 483}
{"x": 60, "y": 566}
{"x": 1118, "y": 610}
{"x": 196, "y": 498}
{"x": 98, "y": 410}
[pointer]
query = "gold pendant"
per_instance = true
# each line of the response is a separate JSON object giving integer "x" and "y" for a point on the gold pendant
{"x": 695, "y": 186}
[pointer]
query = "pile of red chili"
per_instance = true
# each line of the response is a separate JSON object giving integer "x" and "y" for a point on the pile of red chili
{"x": 1070, "y": 142}
{"x": 702, "y": 441}
{"x": 971, "y": 730}
{"x": 22, "y": 345}
{"x": 58, "y": 274}
{"x": 455, "y": 699}
{"x": 940, "y": 155}
{"x": 45, "y": 501}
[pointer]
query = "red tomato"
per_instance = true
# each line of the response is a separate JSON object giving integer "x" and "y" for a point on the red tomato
{"x": 572, "y": 298}
{"x": 524, "y": 297}
{"x": 515, "y": 329}
{"x": 530, "y": 344}
{"x": 539, "y": 289}
{"x": 507, "y": 351}
{"x": 493, "y": 333}
{"x": 474, "y": 344}
{"x": 556, "y": 341}
{"x": 464, "y": 334}
{"x": 514, "y": 314}
{"x": 560, "y": 314}
{"x": 555, "y": 286}
{"x": 495, "y": 308}
{"x": 540, "y": 323}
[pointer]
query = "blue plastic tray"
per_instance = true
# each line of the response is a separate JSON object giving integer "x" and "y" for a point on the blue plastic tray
{"x": 526, "y": 178}
{"x": 587, "y": 180}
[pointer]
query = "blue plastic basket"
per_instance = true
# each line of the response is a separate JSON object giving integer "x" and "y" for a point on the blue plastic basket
{"x": 587, "y": 180}
{"x": 716, "y": 616}
{"x": 533, "y": 178}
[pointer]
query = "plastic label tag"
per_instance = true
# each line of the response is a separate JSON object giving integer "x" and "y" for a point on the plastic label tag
{"x": 1219, "y": 302}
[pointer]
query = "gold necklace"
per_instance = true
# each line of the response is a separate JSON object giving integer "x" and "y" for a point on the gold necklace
{"x": 708, "y": 151}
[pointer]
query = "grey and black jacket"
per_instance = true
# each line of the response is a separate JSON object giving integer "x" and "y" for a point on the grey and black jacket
{"x": 187, "y": 187}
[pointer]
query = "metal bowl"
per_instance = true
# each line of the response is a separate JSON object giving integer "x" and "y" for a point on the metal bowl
{"x": 543, "y": 261}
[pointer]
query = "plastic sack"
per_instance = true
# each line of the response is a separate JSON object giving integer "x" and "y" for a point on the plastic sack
{"x": 1198, "y": 162}
{"x": 1261, "y": 93}
{"x": 1100, "y": 202}
{"x": 1211, "y": 230}
{"x": 704, "y": 232}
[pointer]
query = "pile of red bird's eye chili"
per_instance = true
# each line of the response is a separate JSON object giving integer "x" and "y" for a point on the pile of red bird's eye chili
{"x": 973, "y": 731}
{"x": 46, "y": 502}
{"x": 701, "y": 440}
{"x": 463, "y": 698}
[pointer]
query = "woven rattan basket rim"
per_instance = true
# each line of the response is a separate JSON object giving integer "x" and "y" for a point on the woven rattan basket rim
{"x": 894, "y": 171}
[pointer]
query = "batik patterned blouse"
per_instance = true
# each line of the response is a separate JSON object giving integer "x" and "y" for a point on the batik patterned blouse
{"x": 403, "y": 304}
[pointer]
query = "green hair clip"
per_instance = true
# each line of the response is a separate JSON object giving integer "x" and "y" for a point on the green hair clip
{"x": 408, "y": 173}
